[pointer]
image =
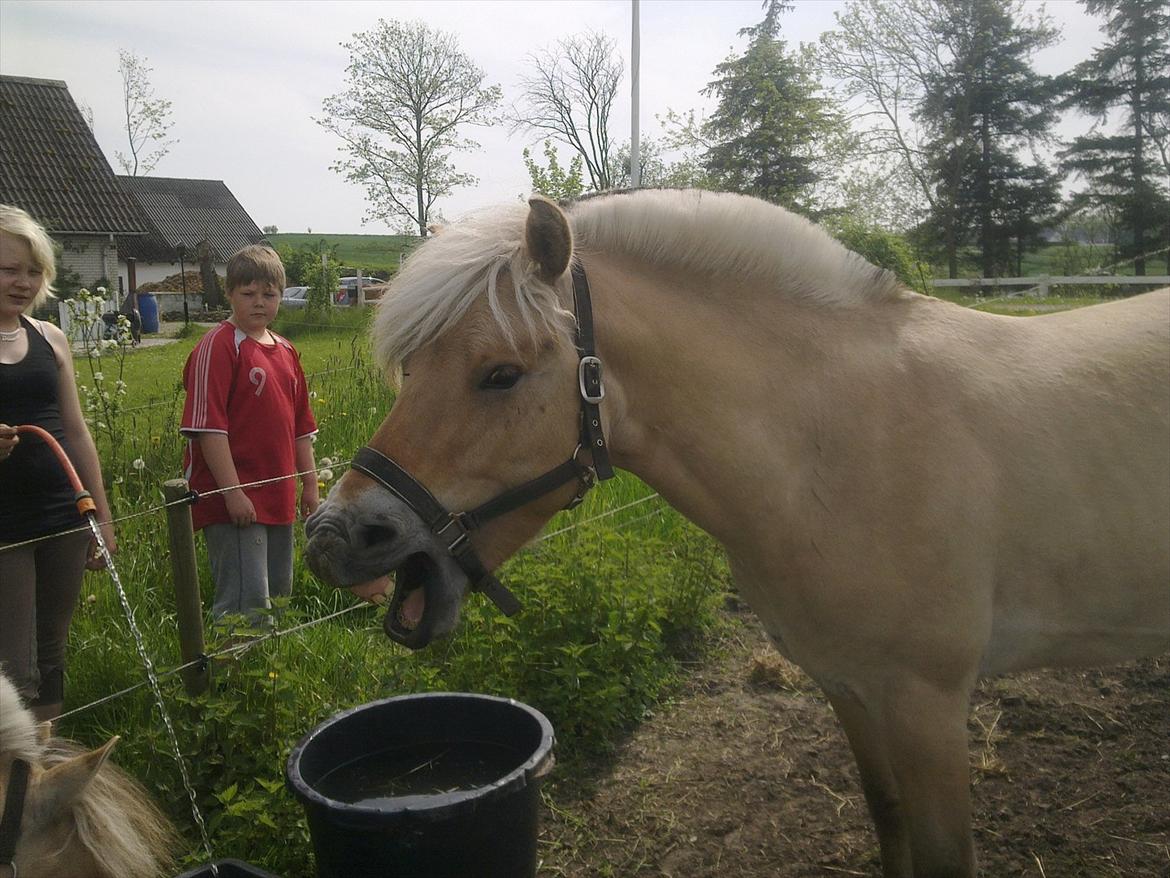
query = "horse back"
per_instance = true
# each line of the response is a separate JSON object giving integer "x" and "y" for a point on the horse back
{"x": 1083, "y": 575}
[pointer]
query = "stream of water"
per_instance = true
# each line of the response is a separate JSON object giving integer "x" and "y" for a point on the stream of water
{"x": 153, "y": 677}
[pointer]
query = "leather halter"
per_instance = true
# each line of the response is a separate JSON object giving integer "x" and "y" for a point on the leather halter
{"x": 13, "y": 813}
{"x": 456, "y": 528}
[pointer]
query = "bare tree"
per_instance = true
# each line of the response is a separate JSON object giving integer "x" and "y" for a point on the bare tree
{"x": 569, "y": 97}
{"x": 885, "y": 55}
{"x": 408, "y": 90}
{"x": 147, "y": 117}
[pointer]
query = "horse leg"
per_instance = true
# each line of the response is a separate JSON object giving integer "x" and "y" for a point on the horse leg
{"x": 867, "y": 741}
{"x": 926, "y": 738}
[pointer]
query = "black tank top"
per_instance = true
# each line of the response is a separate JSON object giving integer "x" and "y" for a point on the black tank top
{"x": 35, "y": 495}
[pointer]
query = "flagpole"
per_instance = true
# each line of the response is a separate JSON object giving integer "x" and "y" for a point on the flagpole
{"x": 635, "y": 162}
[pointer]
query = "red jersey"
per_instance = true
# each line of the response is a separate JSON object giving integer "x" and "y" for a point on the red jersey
{"x": 255, "y": 394}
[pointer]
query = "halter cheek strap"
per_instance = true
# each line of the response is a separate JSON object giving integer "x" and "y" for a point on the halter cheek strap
{"x": 456, "y": 528}
{"x": 13, "y": 812}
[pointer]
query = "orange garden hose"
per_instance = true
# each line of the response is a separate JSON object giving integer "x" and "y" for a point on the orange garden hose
{"x": 82, "y": 498}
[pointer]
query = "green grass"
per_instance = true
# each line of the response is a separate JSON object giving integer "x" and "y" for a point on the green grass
{"x": 368, "y": 252}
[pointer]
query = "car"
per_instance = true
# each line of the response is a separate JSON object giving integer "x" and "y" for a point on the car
{"x": 295, "y": 297}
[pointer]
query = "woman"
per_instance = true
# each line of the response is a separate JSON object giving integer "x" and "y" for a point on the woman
{"x": 39, "y": 580}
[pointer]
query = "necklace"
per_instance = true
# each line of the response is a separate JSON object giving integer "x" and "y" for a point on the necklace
{"x": 10, "y": 334}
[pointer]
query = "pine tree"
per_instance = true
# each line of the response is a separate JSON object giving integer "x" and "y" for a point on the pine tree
{"x": 1130, "y": 73}
{"x": 982, "y": 108}
{"x": 771, "y": 126}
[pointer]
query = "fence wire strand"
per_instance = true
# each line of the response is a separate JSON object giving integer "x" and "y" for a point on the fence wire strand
{"x": 241, "y": 648}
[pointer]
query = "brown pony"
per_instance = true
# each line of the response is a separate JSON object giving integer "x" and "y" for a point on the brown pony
{"x": 83, "y": 817}
{"x": 911, "y": 494}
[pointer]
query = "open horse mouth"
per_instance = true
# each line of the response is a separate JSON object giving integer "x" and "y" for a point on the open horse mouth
{"x": 407, "y": 621}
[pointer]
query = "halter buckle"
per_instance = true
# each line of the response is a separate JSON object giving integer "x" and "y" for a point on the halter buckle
{"x": 456, "y": 520}
{"x": 589, "y": 380}
{"x": 586, "y": 479}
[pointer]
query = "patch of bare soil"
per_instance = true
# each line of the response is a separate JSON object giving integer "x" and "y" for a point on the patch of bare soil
{"x": 746, "y": 773}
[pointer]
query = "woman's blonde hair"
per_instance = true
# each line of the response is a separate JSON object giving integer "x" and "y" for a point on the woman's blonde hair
{"x": 18, "y": 224}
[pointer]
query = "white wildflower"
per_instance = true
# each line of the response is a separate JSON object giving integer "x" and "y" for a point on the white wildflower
{"x": 139, "y": 464}
{"x": 326, "y": 462}
{"x": 99, "y": 377}
{"x": 326, "y": 475}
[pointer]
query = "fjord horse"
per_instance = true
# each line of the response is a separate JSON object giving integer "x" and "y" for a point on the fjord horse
{"x": 911, "y": 493}
{"x": 70, "y": 813}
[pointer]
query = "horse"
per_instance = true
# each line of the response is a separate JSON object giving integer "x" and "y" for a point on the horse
{"x": 71, "y": 813}
{"x": 911, "y": 494}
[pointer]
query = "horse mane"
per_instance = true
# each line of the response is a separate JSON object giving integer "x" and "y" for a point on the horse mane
{"x": 713, "y": 234}
{"x": 116, "y": 819}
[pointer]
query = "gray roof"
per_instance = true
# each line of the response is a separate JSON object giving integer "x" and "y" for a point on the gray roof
{"x": 187, "y": 212}
{"x": 51, "y": 165}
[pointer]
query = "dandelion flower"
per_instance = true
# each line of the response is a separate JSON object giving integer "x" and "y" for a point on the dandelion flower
{"x": 139, "y": 464}
{"x": 326, "y": 462}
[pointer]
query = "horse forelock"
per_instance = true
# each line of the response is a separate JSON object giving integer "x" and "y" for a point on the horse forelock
{"x": 444, "y": 277}
{"x": 721, "y": 234}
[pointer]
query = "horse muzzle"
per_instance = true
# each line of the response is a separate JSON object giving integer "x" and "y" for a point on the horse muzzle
{"x": 349, "y": 544}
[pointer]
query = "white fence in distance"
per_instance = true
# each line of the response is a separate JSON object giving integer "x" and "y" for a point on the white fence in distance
{"x": 1043, "y": 283}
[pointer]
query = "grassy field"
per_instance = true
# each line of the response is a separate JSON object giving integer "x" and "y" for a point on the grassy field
{"x": 370, "y": 253}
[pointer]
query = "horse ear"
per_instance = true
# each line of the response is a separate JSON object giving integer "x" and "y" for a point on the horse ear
{"x": 548, "y": 238}
{"x": 63, "y": 784}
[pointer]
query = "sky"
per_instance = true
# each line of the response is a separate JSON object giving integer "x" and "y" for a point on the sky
{"x": 246, "y": 79}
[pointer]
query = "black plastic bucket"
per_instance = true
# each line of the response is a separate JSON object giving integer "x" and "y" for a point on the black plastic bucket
{"x": 439, "y": 785}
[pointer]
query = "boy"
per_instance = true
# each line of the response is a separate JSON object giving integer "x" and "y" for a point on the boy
{"x": 247, "y": 419}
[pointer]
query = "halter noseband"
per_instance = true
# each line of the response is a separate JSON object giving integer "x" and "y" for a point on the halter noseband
{"x": 442, "y": 522}
{"x": 13, "y": 813}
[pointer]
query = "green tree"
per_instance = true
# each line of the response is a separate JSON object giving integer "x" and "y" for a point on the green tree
{"x": 1128, "y": 169}
{"x": 981, "y": 108}
{"x": 409, "y": 89}
{"x": 554, "y": 181}
{"x": 148, "y": 117}
{"x": 768, "y": 131}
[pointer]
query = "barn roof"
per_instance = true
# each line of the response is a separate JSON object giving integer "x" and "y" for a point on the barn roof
{"x": 187, "y": 212}
{"x": 52, "y": 165}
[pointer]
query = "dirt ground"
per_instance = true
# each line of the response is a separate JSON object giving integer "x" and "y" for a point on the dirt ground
{"x": 746, "y": 774}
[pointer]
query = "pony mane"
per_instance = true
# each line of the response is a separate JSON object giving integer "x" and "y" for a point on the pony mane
{"x": 18, "y": 729}
{"x": 713, "y": 234}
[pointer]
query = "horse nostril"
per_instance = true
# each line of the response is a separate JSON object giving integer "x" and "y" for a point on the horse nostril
{"x": 375, "y": 534}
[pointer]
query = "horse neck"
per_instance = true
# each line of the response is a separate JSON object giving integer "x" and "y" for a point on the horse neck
{"x": 717, "y": 393}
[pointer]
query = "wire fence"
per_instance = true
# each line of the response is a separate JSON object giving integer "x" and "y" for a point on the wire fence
{"x": 238, "y": 649}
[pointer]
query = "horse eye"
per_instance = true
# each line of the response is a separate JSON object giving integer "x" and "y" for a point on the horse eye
{"x": 501, "y": 378}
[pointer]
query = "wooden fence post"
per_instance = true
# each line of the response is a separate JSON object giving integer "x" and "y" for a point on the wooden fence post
{"x": 188, "y": 604}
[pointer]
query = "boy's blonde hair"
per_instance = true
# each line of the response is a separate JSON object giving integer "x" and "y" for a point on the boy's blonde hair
{"x": 252, "y": 263}
{"x": 18, "y": 224}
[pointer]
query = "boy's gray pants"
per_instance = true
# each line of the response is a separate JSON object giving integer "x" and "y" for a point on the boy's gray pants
{"x": 249, "y": 565}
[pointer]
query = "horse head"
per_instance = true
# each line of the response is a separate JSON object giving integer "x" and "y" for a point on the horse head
{"x": 478, "y": 332}
{"x": 72, "y": 813}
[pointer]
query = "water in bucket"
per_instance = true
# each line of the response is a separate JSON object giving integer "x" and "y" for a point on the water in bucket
{"x": 395, "y": 776}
